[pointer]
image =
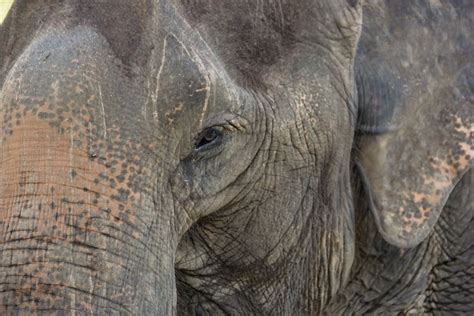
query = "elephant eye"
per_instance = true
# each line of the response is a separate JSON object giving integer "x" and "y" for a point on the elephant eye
{"x": 207, "y": 138}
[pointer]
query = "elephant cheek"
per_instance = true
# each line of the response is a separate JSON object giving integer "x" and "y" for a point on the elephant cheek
{"x": 71, "y": 242}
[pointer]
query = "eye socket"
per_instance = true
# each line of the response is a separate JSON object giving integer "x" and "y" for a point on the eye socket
{"x": 207, "y": 138}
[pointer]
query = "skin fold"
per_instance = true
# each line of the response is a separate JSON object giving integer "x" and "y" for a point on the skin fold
{"x": 204, "y": 157}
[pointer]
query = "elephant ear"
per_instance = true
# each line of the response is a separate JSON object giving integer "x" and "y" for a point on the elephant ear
{"x": 415, "y": 82}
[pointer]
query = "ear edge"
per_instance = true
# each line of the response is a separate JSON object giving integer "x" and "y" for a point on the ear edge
{"x": 389, "y": 215}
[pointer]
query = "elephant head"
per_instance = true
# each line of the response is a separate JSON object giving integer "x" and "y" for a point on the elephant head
{"x": 199, "y": 156}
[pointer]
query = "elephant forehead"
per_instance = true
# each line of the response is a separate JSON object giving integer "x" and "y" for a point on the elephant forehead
{"x": 123, "y": 24}
{"x": 77, "y": 71}
{"x": 64, "y": 69}
{"x": 66, "y": 91}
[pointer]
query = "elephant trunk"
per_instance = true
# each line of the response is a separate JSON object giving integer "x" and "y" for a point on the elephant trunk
{"x": 68, "y": 242}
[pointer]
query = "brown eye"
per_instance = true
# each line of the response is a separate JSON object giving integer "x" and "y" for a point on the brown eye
{"x": 207, "y": 138}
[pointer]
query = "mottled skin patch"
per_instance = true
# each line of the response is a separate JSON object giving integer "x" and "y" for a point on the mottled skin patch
{"x": 75, "y": 211}
{"x": 72, "y": 188}
{"x": 408, "y": 202}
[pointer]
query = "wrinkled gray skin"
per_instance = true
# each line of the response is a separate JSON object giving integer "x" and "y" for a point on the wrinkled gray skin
{"x": 206, "y": 157}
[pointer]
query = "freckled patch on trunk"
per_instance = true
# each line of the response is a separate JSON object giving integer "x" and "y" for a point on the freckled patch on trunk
{"x": 49, "y": 197}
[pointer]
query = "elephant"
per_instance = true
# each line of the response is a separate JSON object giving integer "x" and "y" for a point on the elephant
{"x": 205, "y": 157}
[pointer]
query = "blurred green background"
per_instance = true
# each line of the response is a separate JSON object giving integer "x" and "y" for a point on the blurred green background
{"x": 4, "y": 7}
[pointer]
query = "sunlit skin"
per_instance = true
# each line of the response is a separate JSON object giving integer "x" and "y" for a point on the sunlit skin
{"x": 4, "y": 8}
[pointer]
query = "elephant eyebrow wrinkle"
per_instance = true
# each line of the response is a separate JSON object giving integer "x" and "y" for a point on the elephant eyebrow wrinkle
{"x": 237, "y": 125}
